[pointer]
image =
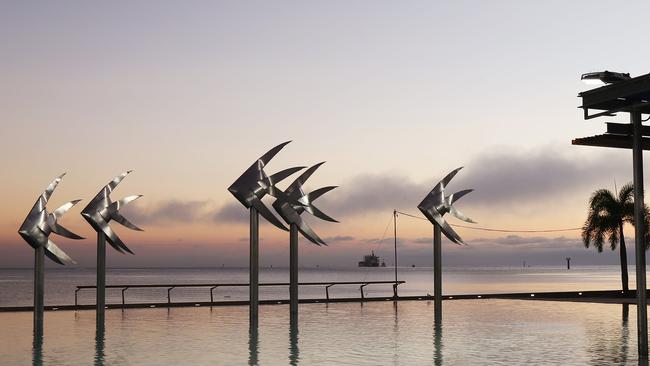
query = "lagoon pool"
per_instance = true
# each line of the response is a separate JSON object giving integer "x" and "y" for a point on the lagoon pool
{"x": 474, "y": 332}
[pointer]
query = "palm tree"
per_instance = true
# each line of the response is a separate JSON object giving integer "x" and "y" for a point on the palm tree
{"x": 607, "y": 214}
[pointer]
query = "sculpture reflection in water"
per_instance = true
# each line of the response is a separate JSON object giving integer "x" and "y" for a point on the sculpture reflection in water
{"x": 253, "y": 344}
{"x": 437, "y": 343}
{"x": 37, "y": 348}
{"x": 434, "y": 206}
{"x": 99, "y": 212}
{"x": 294, "y": 352}
{"x": 291, "y": 213}
{"x": 249, "y": 189}
{"x": 36, "y": 230}
{"x": 99, "y": 344}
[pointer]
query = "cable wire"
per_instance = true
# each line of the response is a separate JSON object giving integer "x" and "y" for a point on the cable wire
{"x": 497, "y": 230}
{"x": 381, "y": 241}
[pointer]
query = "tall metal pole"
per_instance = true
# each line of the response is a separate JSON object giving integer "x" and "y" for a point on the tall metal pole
{"x": 293, "y": 270}
{"x": 639, "y": 235}
{"x": 254, "y": 267}
{"x": 395, "y": 235}
{"x": 437, "y": 273}
{"x": 101, "y": 277}
{"x": 39, "y": 289}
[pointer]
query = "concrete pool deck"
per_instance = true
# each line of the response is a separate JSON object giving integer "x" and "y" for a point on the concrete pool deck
{"x": 602, "y": 297}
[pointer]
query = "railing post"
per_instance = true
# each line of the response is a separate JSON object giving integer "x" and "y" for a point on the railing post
{"x": 363, "y": 298}
{"x": 75, "y": 297}
{"x": 211, "y": 295}
{"x": 327, "y": 292}
{"x": 395, "y": 289}
{"x": 169, "y": 299}
{"x": 123, "y": 290}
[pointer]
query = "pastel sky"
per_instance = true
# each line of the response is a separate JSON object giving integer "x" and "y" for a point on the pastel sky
{"x": 392, "y": 95}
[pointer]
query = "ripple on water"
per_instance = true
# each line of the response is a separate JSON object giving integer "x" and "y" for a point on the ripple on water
{"x": 495, "y": 332}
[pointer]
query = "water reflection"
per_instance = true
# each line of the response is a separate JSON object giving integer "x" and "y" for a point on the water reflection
{"x": 294, "y": 352}
{"x": 99, "y": 344}
{"x": 607, "y": 347}
{"x": 37, "y": 346}
{"x": 402, "y": 333}
{"x": 253, "y": 345}
{"x": 437, "y": 343}
{"x": 395, "y": 334}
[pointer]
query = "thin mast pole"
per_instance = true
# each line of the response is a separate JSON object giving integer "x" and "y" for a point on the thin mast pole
{"x": 395, "y": 234}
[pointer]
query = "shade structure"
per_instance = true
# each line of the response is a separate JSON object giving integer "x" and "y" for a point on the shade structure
{"x": 610, "y": 140}
{"x": 631, "y": 96}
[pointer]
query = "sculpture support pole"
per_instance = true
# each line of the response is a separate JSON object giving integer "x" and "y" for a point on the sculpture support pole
{"x": 39, "y": 289}
{"x": 639, "y": 236}
{"x": 293, "y": 270}
{"x": 101, "y": 277}
{"x": 254, "y": 266}
{"x": 437, "y": 273}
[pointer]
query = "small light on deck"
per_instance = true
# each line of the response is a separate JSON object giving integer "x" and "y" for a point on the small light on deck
{"x": 451, "y": 297}
{"x": 532, "y": 295}
{"x": 55, "y": 308}
{"x": 479, "y": 296}
{"x": 152, "y": 306}
{"x": 580, "y": 293}
{"x": 197, "y": 304}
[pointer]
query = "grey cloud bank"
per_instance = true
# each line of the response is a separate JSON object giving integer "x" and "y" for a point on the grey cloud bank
{"x": 500, "y": 177}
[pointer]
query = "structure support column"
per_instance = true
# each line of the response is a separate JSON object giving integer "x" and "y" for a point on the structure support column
{"x": 101, "y": 277}
{"x": 437, "y": 273}
{"x": 39, "y": 289}
{"x": 639, "y": 237}
{"x": 293, "y": 270}
{"x": 254, "y": 267}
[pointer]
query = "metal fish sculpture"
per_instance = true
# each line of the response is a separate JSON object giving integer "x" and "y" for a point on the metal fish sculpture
{"x": 435, "y": 205}
{"x": 40, "y": 223}
{"x": 291, "y": 212}
{"x": 101, "y": 210}
{"x": 254, "y": 184}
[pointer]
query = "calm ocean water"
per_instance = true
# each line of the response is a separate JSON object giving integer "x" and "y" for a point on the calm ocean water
{"x": 474, "y": 332}
{"x": 16, "y": 284}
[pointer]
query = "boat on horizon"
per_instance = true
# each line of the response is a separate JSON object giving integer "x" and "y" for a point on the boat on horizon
{"x": 371, "y": 260}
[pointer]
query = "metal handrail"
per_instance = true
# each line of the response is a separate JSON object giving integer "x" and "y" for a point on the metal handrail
{"x": 213, "y": 286}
